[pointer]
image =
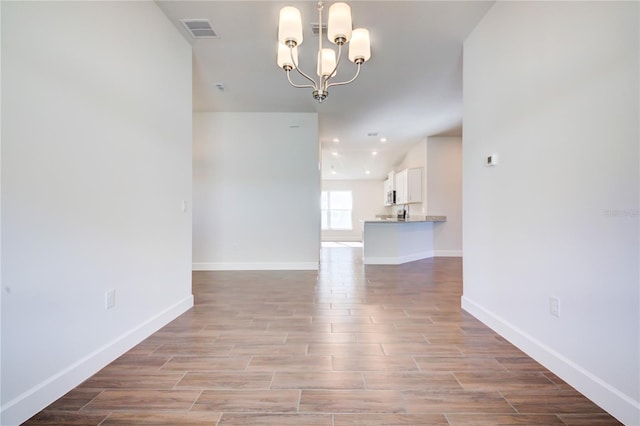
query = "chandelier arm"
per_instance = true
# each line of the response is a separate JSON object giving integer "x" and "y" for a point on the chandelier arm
{"x": 325, "y": 80}
{"x": 342, "y": 83}
{"x": 314, "y": 85}
{"x": 299, "y": 86}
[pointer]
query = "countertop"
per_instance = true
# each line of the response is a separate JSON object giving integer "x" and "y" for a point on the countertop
{"x": 409, "y": 220}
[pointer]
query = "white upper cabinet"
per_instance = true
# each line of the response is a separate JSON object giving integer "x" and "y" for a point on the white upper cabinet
{"x": 401, "y": 187}
{"x": 409, "y": 186}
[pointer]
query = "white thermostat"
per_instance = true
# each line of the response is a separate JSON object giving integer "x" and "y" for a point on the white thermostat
{"x": 491, "y": 160}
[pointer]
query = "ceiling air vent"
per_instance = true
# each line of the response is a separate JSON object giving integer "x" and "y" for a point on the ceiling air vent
{"x": 315, "y": 28}
{"x": 199, "y": 28}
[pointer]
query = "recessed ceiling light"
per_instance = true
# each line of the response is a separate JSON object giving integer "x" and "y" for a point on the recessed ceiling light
{"x": 367, "y": 171}
{"x": 333, "y": 172}
{"x": 334, "y": 153}
{"x": 374, "y": 153}
{"x": 383, "y": 140}
{"x": 336, "y": 140}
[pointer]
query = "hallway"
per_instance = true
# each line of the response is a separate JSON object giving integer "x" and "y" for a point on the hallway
{"x": 352, "y": 345}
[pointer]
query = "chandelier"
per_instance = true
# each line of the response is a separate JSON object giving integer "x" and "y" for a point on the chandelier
{"x": 339, "y": 32}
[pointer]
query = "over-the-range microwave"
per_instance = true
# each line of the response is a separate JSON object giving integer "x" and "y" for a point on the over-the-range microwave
{"x": 391, "y": 197}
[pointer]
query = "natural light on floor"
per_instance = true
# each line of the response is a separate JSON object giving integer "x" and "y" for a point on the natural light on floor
{"x": 341, "y": 244}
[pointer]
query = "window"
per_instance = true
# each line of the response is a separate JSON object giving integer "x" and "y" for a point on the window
{"x": 336, "y": 210}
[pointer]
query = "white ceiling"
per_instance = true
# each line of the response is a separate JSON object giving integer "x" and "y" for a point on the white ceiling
{"x": 410, "y": 89}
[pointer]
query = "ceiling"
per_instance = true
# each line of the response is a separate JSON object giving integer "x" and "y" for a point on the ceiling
{"x": 411, "y": 88}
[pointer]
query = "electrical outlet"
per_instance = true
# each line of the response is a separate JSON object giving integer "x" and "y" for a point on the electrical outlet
{"x": 110, "y": 299}
{"x": 554, "y": 306}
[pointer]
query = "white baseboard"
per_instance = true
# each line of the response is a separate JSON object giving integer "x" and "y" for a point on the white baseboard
{"x": 256, "y": 266}
{"x": 398, "y": 260}
{"x": 615, "y": 402}
{"x": 448, "y": 253}
{"x": 35, "y": 399}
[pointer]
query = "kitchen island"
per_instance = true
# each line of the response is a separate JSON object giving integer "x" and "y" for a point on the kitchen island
{"x": 390, "y": 241}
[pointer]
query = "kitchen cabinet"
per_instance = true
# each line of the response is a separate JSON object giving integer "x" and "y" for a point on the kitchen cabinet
{"x": 392, "y": 242}
{"x": 401, "y": 185}
{"x": 408, "y": 184}
{"x": 388, "y": 187}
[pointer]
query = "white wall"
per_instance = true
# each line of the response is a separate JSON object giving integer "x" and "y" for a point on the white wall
{"x": 256, "y": 191}
{"x": 552, "y": 88}
{"x": 96, "y": 160}
{"x": 368, "y": 201}
{"x": 444, "y": 192}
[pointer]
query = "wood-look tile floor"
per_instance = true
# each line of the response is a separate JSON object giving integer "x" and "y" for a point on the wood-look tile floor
{"x": 350, "y": 345}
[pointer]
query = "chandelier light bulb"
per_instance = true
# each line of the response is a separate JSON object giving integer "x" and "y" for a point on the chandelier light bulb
{"x": 284, "y": 57}
{"x": 339, "y": 26}
{"x": 328, "y": 62}
{"x": 360, "y": 46}
{"x": 290, "y": 26}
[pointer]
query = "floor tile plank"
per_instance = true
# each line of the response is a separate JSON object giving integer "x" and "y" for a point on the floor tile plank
{"x": 225, "y": 380}
{"x": 455, "y": 401}
{"x": 374, "y": 363}
{"x": 543, "y": 400}
{"x": 351, "y": 401}
{"x": 502, "y": 419}
{"x": 390, "y": 419}
{"x": 233, "y": 419}
{"x": 57, "y": 418}
{"x": 400, "y": 380}
{"x": 130, "y": 399}
{"x": 290, "y": 363}
{"x": 262, "y": 401}
{"x": 317, "y": 380}
{"x": 162, "y": 419}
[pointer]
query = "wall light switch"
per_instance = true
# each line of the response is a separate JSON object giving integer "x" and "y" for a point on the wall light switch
{"x": 184, "y": 206}
{"x": 110, "y": 299}
{"x": 554, "y": 307}
{"x": 491, "y": 160}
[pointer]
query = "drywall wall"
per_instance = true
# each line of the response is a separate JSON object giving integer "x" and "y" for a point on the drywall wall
{"x": 256, "y": 191}
{"x": 444, "y": 192}
{"x": 96, "y": 161}
{"x": 552, "y": 89}
{"x": 368, "y": 201}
